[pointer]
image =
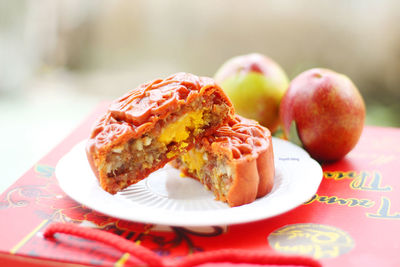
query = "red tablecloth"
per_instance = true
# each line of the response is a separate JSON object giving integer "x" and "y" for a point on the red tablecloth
{"x": 353, "y": 220}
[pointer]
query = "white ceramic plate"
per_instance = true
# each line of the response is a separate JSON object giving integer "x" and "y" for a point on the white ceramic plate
{"x": 165, "y": 198}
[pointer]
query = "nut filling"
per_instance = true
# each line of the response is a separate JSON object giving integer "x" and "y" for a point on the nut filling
{"x": 212, "y": 170}
{"x": 168, "y": 139}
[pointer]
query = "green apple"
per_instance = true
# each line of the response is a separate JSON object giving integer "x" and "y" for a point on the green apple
{"x": 255, "y": 84}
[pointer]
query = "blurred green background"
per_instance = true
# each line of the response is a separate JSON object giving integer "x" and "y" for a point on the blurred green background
{"x": 58, "y": 59}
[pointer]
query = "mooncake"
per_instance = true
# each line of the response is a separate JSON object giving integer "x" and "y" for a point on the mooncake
{"x": 153, "y": 124}
{"x": 236, "y": 162}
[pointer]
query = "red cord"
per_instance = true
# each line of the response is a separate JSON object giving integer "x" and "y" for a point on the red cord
{"x": 152, "y": 259}
{"x": 246, "y": 256}
{"x": 142, "y": 253}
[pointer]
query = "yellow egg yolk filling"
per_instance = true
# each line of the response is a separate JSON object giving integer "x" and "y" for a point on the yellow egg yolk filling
{"x": 179, "y": 131}
{"x": 194, "y": 160}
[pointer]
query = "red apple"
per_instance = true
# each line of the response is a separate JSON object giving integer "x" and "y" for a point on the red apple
{"x": 328, "y": 110}
{"x": 255, "y": 84}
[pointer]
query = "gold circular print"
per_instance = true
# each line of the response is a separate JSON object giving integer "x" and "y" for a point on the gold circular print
{"x": 316, "y": 240}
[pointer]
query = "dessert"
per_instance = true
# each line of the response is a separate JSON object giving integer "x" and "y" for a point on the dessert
{"x": 236, "y": 162}
{"x": 153, "y": 124}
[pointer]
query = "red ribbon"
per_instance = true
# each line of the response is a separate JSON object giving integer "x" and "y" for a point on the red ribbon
{"x": 152, "y": 259}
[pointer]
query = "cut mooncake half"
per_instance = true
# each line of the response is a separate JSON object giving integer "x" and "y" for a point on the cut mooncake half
{"x": 236, "y": 162}
{"x": 153, "y": 124}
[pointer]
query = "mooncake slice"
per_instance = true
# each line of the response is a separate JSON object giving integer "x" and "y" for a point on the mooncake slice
{"x": 153, "y": 124}
{"x": 236, "y": 162}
